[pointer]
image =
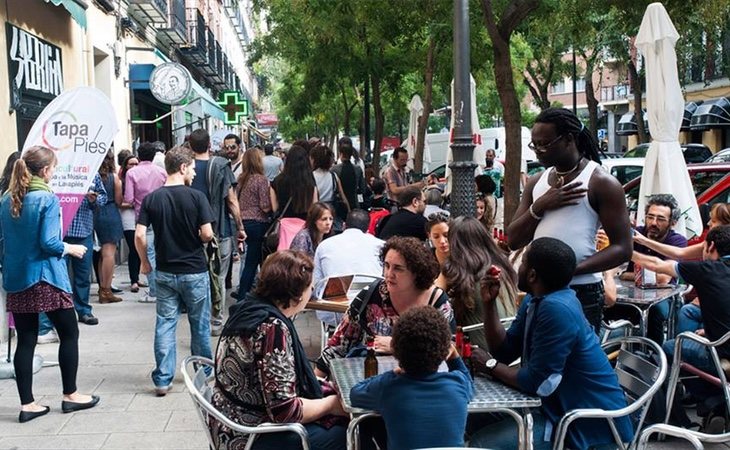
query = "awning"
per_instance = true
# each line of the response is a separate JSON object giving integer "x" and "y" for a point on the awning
{"x": 200, "y": 104}
{"x": 713, "y": 113}
{"x": 627, "y": 124}
{"x": 77, "y": 9}
{"x": 689, "y": 110}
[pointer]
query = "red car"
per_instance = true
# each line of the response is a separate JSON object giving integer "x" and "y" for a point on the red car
{"x": 710, "y": 182}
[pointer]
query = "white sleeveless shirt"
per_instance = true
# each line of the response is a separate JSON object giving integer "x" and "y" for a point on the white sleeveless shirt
{"x": 576, "y": 225}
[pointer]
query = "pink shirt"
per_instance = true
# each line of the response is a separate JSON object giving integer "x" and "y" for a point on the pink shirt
{"x": 142, "y": 180}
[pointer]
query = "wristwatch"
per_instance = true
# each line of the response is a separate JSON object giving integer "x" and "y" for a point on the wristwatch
{"x": 491, "y": 364}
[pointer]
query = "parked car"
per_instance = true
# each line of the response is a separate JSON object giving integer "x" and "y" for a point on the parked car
{"x": 710, "y": 183}
{"x": 624, "y": 169}
{"x": 693, "y": 153}
{"x": 721, "y": 156}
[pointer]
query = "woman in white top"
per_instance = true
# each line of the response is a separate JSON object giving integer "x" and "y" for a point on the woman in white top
{"x": 322, "y": 159}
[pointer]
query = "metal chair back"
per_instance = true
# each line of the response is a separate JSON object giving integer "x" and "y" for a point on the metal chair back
{"x": 639, "y": 376}
{"x": 199, "y": 375}
{"x": 694, "y": 437}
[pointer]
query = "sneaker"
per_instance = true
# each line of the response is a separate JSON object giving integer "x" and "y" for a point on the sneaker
{"x": 48, "y": 338}
{"x": 715, "y": 424}
{"x": 216, "y": 327}
{"x": 148, "y": 299}
{"x": 162, "y": 391}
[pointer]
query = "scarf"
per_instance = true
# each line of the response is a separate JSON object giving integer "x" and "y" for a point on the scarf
{"x": 245, "y": 318}
{"x": 38, "y": 184}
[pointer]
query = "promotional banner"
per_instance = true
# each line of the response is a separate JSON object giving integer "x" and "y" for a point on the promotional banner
{"x": 79, "y": 125}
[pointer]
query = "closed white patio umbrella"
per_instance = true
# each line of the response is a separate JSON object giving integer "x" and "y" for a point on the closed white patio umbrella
{"x": 416, "y": 108}
{"x": 665, "y": 171}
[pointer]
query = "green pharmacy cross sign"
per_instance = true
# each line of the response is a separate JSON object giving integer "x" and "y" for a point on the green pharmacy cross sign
{"x": 234, "y": 106}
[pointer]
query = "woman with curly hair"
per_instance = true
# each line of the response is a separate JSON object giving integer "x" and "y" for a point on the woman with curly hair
{"x": 317, "y": 226}
{"x": 262, "y": 372}
{"x": 473, "y": 252}
{"x": 421, "y": 341}
{"x": 409, "y": 270}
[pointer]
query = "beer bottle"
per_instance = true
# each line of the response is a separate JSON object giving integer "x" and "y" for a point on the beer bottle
{"x": 466, "y": 355}
{"x": 459, "y": 340}
{"x": 371, "y": 362}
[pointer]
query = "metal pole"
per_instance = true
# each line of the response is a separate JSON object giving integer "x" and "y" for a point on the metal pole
{"x": 462, "y": 169}
{"x": 575, "y": 76}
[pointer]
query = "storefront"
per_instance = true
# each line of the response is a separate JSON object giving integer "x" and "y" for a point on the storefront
{"x": 712, "y": 119}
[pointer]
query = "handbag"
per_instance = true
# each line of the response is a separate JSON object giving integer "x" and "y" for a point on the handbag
{"x": 338, "y": 202}
{"x": 271, "y": 238}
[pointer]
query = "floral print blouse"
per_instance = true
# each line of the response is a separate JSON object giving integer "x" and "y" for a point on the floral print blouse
{"x": 255, "y": 382}
{"x": 381, "y": 316}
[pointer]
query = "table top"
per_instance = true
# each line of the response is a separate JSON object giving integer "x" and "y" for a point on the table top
{"x": 627, "y": 292}
{"x": 489, "y": 395}
{"x": 333, "y": 305}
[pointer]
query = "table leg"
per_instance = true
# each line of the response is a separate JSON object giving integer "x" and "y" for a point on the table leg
{"x": 353, "y": 430}
{"x": 644, "y": 321}
{"x": 524, "y": 440}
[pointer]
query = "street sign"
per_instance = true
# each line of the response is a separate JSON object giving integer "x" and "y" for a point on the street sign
{"x": 234, "y": 106}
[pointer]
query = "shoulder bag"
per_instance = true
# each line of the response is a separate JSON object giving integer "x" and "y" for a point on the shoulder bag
{"x": 271, "y": 237}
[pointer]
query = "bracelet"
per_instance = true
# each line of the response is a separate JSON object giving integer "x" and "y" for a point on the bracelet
{"x": 534, "y": 214}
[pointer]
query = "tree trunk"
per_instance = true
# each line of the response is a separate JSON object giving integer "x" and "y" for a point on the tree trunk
{"x": 427, "y": 101}
{"x": 638, "y": 112}
{"x": 591, "y": 99}
{"x": 538, "y": 90}
{"x": 379, "y": 120}
{"x": 347, "y": 110}
{"x": 512, "y": 15}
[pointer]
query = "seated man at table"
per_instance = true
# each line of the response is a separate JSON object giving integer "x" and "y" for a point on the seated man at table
{"x": 421, "y": 341}
{"x": 711, "y": 279}
{"x": 562, "y": 360}
{"x": 660, "y": 215}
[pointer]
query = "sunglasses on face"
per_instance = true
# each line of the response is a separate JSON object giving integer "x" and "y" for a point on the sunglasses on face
{"x": 231, "y": 146}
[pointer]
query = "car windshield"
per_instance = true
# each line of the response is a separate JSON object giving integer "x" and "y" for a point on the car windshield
{"x": 637, "y": 152}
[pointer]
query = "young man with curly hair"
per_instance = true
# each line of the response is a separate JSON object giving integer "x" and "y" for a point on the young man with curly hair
{"x": 421, "y": 341}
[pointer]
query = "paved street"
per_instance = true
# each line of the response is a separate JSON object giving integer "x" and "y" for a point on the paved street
{"x": 115, "y": 362}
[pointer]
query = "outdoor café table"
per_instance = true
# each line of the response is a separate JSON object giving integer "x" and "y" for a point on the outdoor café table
{"x": 643, "y": 299}
{"x": 489, "y": 396}
{"x": 335, "y": 306}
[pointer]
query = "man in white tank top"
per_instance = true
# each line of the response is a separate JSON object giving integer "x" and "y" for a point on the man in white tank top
{"x": 569, "y": 201}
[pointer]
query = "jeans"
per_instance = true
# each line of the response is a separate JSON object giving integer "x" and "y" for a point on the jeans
{"x": 697, "y": 355}
{"x": 152, "y": 276}
{"x": 591, "y": 301}
{"x": 173, "y": 291}
{"x": 320, "y": 438}
{"x": 81, "y": 274}
{"x": 44, "y": 324}
{"x": 225, "y": 246}
{"x": 658, "y": 315}
{"x": 254, "y": 239}
{"x": 132, "y": 258}
{"x": 502, "y": 435}
{"x": 689, "y": 318}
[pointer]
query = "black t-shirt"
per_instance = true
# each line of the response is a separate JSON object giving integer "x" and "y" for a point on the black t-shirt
{"x": 711, "y": 279}
{"x": 200, "y": 182}
{"x": 176, "y": 213}
{"x": 404, "y": 223}
{"x": 283, "y": 193}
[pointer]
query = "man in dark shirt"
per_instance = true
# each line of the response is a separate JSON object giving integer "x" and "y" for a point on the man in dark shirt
{"x": 409, "y": 220}
{"x": 215, "y": 179}
{"x": 711, "y": 278}
{"x": 181, "y": 217}
{"x": 660, "y": 215}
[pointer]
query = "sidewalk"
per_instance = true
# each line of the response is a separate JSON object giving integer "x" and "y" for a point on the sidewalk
{"x": 115, "y": 362}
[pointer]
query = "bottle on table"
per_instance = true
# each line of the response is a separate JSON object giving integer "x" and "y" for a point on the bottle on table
{"x": 459, "y": 340}
{"x": 466, "y": 355}
{"x": 371, "y": 362}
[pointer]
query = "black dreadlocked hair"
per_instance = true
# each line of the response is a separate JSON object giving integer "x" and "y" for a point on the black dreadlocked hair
{"x": 568, "y": 123}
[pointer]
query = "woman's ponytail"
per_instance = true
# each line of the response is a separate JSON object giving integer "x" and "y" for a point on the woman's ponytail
{"x": 19, "y": 182}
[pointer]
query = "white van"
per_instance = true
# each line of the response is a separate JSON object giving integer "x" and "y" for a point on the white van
{"x": 495, "y": 138}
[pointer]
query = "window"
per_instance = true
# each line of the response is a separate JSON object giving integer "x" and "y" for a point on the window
{"x": 559, "y": 87}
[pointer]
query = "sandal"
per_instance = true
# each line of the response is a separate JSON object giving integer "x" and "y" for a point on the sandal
{"x": 135, "y": 288}
{"x": 142, "y": 284}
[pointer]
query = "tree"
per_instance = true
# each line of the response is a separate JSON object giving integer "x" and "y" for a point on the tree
{"x": 501, "y": 23}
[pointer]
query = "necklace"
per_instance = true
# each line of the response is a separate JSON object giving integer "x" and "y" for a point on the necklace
{"x": 561, "y": 175}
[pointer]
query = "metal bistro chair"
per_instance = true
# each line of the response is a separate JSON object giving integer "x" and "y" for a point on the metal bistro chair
{"x": 722, "y": 367}
{"x": 639, "y": 376}
{"x": 200, "y": 387}
{"x": 694, "y": 437}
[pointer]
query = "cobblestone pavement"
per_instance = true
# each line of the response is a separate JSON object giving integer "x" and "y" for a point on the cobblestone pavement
{"x": 115, "y": 362}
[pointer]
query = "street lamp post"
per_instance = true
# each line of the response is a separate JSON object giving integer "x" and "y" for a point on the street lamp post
{"x": 462, "y": 147}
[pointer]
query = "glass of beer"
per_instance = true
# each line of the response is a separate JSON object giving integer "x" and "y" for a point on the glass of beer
{"x": 601, "y": 240}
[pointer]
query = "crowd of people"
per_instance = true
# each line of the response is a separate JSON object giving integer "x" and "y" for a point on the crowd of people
{"x": 298, "y": 218}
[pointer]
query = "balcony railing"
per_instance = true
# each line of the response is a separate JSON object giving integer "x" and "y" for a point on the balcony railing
{"x": 196, "y": 50}
{"x": 149, "y": 11}
{"x": 176, "y": 32}
{"x": 615, "y": 93}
